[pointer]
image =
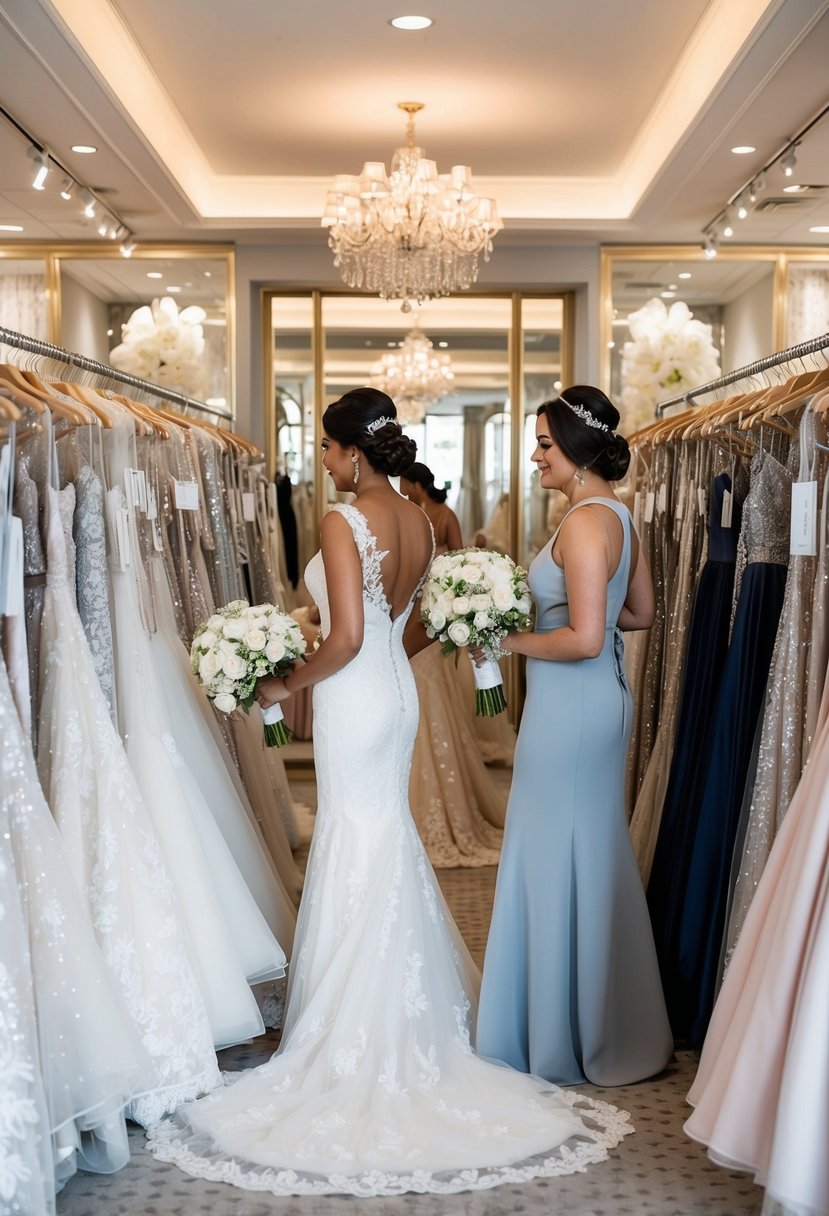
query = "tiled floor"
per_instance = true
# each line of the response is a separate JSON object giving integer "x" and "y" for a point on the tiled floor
{"x": 655, "y": 1172}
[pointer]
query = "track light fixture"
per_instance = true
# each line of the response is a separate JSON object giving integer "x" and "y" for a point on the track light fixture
{"x": 789, "y": 161}
{"x": 40, "y": 159}
{"x": 728, "y": 227}
{"x": 709, "y": 245}
{"x": 128, "y": 245}
{"x": 67, "y": 188}
{"x": 87, "y": 202}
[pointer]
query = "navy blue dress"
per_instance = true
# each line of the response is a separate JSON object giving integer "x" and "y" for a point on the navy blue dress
{"x": 571, "y": 986}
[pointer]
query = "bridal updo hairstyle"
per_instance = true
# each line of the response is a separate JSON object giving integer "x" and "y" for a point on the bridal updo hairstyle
{"x": 605, "y": 452}
{"x": 421, "y": 475}
{"x": 387, "y": 449}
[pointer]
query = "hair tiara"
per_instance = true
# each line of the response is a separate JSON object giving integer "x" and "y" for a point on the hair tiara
{"x": 585, "y": 415}
{"x": 377, "y": 423}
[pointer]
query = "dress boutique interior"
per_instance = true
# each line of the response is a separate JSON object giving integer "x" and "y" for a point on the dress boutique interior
{"x": 215, "y": 222}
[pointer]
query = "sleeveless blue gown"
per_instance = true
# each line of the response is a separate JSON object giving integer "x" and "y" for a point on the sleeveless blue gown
{"x": 571, "y": 988}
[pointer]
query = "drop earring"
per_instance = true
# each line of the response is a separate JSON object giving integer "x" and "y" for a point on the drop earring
{"x": 355, "y": 459}
{"x": 579, "y": 476}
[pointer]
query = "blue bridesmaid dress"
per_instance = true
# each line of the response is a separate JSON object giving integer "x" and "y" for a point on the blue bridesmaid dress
{"x": 571, "y": 987}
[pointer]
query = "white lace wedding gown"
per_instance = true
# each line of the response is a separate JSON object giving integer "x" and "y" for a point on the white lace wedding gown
{"x": 375, "y": 1089}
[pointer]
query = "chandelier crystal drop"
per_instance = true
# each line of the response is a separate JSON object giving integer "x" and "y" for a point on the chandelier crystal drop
{"x": 412, "y": 234}
{"x": 415, "y": 376}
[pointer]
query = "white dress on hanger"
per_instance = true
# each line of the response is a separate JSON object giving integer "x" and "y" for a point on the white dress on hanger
{"x": 111, "y": 846}
{"x": 375, "y": 1089}
{"x": 230, "y": 943}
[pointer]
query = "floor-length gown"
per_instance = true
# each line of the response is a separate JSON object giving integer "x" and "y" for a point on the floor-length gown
{"x": 691, "y": 973}
{"x": 571, "y": 983}
{"x": 760, "y": 1091}
{"x": 375, "y": 1088}
{"x": 111, "y": 847}
{"x": 454, "y": 799}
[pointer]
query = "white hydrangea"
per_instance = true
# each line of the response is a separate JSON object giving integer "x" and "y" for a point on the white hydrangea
{"x": 669, "y": 353}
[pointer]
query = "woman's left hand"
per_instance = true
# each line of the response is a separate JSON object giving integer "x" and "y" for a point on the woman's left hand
{"x": 269, "y": 690}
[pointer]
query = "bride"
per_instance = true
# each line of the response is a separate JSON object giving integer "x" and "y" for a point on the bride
{"x": 375, "y": 1088}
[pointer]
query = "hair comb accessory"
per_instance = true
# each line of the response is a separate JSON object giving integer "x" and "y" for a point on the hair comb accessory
{"x": 377, "y": 423}
{"x": 585, "y": 416}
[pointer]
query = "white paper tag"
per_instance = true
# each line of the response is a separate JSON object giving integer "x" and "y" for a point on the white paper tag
{"x": 187, "y": 495}
{"x": 249, "y": 507}
{"x": 137, "y": 484}
{"x": 122, "y": 536}
{"x": 804, "y": 518}
{"x": 727, "y": 508}
{"x": 637, "y": 506}
{"x": 650, "y": 502}
{"x": 702, "y": 500}
{"x": 13, "y": 559}
{"x": 152, "y": 504}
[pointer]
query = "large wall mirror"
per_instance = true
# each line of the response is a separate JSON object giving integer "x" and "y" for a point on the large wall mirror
{"x": 756, "y": 299}
{"x": 79, "y": 296}
{"x": 501, "y": 350}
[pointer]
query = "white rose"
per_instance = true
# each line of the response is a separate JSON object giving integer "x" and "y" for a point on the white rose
{"x": 215, "y": 623}
{"x": 255, "y": 639}
{"x": 207, "y": 639}
{"x": 235, "y": 629}
{"x": 471, "y": 574}
{"x": 274, "y": 651}
{"x": 437, "y": 620}
{"x": 233, "y": 666}
{"x": 208, "y": 666}
{"x": 483, "y": 620}
{"x": 524, "y": 604}
{"x": 461, "y": 605}
{"x": 225, "y": 703}
{"x": 446, "y": 603}
{"x": 459, "y": 633}
{"x": 502, "y": 597}
{"x": 480, "y": 603}
{"x": 224, "y": 647}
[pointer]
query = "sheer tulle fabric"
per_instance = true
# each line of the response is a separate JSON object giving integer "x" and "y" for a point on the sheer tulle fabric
{"x": 112, "y": 849}
{"x": 375, "y": 1089}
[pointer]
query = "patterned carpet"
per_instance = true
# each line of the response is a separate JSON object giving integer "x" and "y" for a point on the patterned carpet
{"x": 656, "y": 1172}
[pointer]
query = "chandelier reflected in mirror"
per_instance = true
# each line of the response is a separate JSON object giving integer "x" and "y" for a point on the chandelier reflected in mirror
{"x": 414, "y": 233}
{"x": 415, "y": 376}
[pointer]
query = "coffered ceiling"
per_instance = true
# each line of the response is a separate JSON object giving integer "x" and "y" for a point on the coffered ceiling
{"x": 585, "y": 119}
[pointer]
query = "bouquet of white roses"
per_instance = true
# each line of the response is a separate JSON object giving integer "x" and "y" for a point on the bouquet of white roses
{"x": 474, "y": 597}
{"x": 240, "y": 644}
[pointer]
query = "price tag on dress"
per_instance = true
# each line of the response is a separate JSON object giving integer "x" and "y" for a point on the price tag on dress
{"x": 249, "y": 507}
{"x": 804, "y": 518}
{"x": 727, "y": 508}
{"x": 187, "y": 495}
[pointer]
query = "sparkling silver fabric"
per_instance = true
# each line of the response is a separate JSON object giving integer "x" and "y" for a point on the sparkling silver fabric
{"x": 91, "y": 578}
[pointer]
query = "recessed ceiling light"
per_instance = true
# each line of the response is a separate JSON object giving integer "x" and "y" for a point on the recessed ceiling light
{"x": 672, "y": 287}
{"x": 557, "y": 385}
{"x": 443, "y": 345}
{"x": 743, "y": 149}
{"x": 84, "y": 149}
{"x": 795, "y": 189}
{"x": 684, "y": 274}
{"x": 667, "y": 295}
{"x": 820, "y": 228}
{"x": 154, "y": 274}
{"x": 172, "y": 290}
{"x": 110, "y": 332}
{"x": 208, "y": 274}
{"x": 411, "y": 23}
{"x": 11, "y": 227}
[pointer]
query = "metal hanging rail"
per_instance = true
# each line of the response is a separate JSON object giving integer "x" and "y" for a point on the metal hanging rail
{"x": 37, "y": 346}
{"x": 751, "y": 369}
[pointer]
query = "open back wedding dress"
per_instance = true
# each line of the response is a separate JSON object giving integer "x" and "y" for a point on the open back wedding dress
{"x": 375, "y": 1089}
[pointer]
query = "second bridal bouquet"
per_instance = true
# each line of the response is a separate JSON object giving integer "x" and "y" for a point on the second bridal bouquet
{"x": 240, "y": 644}
{"x": 474, "y": 597}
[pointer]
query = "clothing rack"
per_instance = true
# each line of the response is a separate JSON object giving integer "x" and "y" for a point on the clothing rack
{"x": 36, "y": 346}
{"x": 744, "y": 373}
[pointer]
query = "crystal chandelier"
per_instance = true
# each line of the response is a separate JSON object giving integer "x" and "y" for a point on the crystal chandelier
{"x": 414, "y": 376}
{"x": 414, "y": 233}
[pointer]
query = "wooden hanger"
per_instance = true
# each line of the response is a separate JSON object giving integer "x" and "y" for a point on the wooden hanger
{"x": 8, "y": 409}
{"x": 152, "y": 424}
{"x": 37, "y": 388}
{"x": 86, "y": 397}
{"x": 21, "y": 392}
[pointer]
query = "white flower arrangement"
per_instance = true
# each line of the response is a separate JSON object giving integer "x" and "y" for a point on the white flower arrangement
{"x": 161, "y": 344}
{"x": 670, "y": 353}
{"x": 474, "y": 597}
{"x": 239, "y": 644}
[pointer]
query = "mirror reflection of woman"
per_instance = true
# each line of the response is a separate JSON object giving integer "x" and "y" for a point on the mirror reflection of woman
{"x": 455, "y": 802}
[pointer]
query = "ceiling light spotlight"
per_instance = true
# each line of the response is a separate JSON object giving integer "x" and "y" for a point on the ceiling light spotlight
{"x": 742, "y": 209}
{"x": 154, "y": 274}
{"x": 411, "y": 23}
{"x": 173, "y": 290}
{"x": 795, "y": 188}
{"x": 819, "y": 228}
{"x": 728, "y": 227}
{"x": 788, "y": 163}
{"x": 128, "y": 245}
{"x": 88, "y": 202}
{"x": 40, "y": 159}
{"x": 84, "y": 149}
{"x": 103, "y": 226}
{"x": 11, "y": 227}
{"x": 67, "y": 188}
{"x": 709, "y": 246}
{"x": 743, "y": 149}
{"x": 684, "y": 274}
{"x": 756, "y": 188}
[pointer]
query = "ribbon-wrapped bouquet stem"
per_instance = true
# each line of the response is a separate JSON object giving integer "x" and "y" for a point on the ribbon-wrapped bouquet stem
{"x": 239, "y": 645}
{"x": 474, "y": 598}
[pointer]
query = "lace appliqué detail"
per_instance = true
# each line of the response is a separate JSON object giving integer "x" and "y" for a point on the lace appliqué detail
{"x": 370, "y": 556}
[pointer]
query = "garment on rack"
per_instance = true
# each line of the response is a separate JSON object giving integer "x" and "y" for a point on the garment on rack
{"x": 27, "y": 507}
{"x": 91, "y": 581}
{"x": 704, "y": 665}
{"x": 691, "y": 974}
{"x": 779, "y": 757}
